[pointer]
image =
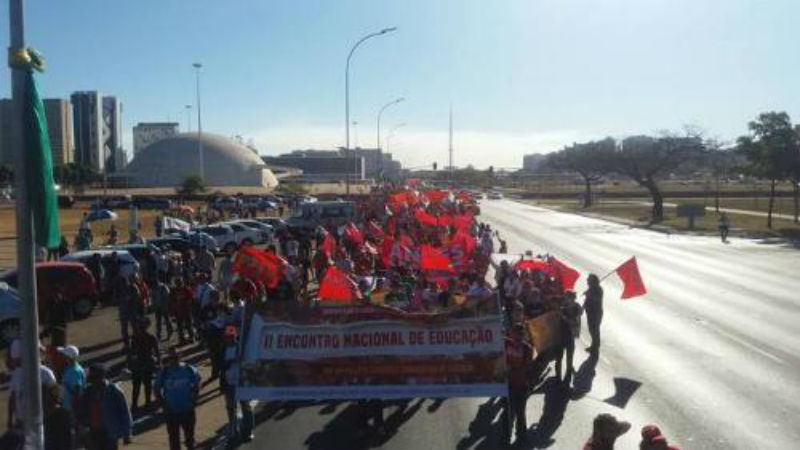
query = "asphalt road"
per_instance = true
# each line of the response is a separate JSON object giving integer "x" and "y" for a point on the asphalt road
{"x": 711, "y": 354}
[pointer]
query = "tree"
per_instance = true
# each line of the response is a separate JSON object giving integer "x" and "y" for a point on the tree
{"x": 589, "y": 160}
{"x": 192, "y": 185}
{"x": 644, "y": 159}
{"x": 770, "y": 149}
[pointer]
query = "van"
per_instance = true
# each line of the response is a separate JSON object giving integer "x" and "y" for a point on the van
{"x": 324, "y": 214}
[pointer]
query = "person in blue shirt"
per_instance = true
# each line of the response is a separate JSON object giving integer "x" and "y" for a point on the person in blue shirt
{"x": 177, "y": 387}
{"x": 104, "y": 410}
{"x": 73, "y": 379}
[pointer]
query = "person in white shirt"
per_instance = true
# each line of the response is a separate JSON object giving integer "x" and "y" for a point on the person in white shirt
{"x": 17, "y": 398}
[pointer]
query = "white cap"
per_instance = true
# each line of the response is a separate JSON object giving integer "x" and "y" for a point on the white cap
{"x": 70, "y": 351}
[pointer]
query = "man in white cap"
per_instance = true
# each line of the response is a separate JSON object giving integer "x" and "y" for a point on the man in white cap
{"x": 16, "y": 403}
{"x": 73, "y": 379}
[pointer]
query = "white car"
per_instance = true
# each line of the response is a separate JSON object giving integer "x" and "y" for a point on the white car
{"x": 10, "y": 311}
{"x": 223, "y": 235}
{"x": 198, "y": 239}
{"x": 247, "y": 235}
{"x": 128, "y": 265}
{"x": 493, "y": 195}
{"x": 255, "y": 224}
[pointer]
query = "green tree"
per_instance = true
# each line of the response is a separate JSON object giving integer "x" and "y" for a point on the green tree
{"x": 589, "y": 160}
{"x": 770, "y": 149}
{"x": 192, "y": 185}
{"x": 644, "y": 159}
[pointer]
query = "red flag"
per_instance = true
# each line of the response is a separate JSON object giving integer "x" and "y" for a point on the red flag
{"x": 386, "y": 251}
{"x": 568, "y": 275}
{"x": 353, "y": 234}
{"x": 255, "y": 264}
{"x": 374, "y": 229}
{"x": 463, "y": 221}
{"x": 531, "y": 264}
{"x": 336, "y": 286}
{"x": 436, "y": 196}
{"x": 432, "y": 259}
{"x": 424, "y": 218}
{"x": 328, "y": 245}
{"x": 628, "y": 272}
{"x": 445, "y": 220}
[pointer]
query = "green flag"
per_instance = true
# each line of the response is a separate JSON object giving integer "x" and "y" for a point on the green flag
{"x": 39, "y": 168}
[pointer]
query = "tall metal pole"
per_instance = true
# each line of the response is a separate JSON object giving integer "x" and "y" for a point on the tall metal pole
{"x": 188, "y": 109}
{"x": 197, "y": 67}
{"x": 26, "y": 269}
{"x": 378, "y": 140}
{"x": 347, "y": 92}
{"x": 450, "y": 142}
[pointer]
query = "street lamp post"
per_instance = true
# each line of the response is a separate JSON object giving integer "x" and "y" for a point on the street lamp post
{"x": 391, "y": 134}
{"x": 378, "y": 141}
{"x": 347, "y": 89}
{"x": 197, "y": 67}
{"x": 188, "y": 109}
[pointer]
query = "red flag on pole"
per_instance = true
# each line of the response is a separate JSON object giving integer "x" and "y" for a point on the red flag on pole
{"x": 255, "y": 264}
{"x": 337, "y": 287}
{"x": 328, "y": 245}
{"x": 424, "y": 218}
{"x": 353, "y": 234}
{"x": 568, "y": 275}
{"x": 628, "y": 272}
{"x": 432, "y": 259}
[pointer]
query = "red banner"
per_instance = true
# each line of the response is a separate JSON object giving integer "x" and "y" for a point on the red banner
{"x": 432, "y": 259}
{"x": 424, "y": 218}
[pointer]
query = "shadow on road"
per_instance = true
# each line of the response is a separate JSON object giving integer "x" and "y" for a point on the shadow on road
{"x": 486, "y": 429}
{"x": 348, "y": 428}
{"x": 624, "y": 388}
{"x": 584, "y": 377}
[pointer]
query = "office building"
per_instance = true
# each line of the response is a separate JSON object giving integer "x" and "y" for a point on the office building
{"x": 532, "y": 162}
{"x": 59, "y": 127}
{"x": 146, "y": 133}
{"x": 112, "y": 134}
{"x": 321, "y": 165}
{"x": 87, "y": 122}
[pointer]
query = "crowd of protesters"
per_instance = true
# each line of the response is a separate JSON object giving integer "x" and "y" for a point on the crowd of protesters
{"x": 191, "y": 297}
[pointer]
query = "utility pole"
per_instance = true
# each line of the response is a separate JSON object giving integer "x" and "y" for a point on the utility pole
{"x": 26, "y": 269}
{"x": 450, "y": 146}
{"x": 197, "y": 67}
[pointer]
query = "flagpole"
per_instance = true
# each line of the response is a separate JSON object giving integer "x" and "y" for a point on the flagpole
{"x": 26, "y": 273}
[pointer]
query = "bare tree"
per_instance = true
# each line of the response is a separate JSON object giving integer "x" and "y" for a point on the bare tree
{"x": 588, "y": 160}
{"x": 644, "y": 159}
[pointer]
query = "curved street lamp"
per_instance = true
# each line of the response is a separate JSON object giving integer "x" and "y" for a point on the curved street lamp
{"x": 347, "y": 88}
{"x": 378, "y": 141}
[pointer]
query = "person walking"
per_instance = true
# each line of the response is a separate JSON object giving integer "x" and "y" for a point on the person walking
{"x": 593, "y": 305}
{"x": 724, "y": 225}
{"x": 57, "y": 421}
{"x": 177, "y": 388}
{"x": 128, "y": 300}
{"x": 225, "y": 276}
{"x": 73, "y": 378}
{"x": 145, "y": 359}
{"x": 518, "y": 355}
{"x": 161, "y": 308}
{"x": 570, "y": 316}
{"x": 104, "y": 411}
{"x": 241, "y": 430}
{"x": 181, "y": 308}
{"x": 158, "y": 225}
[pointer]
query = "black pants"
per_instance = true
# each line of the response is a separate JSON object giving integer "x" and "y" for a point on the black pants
{"x": 518, "y": 399}
{"x": 593, "y": 323}
{"x": 723, "y": 233}
{"x": 100, "y": 439}
{"x": 184, "y": 325}
{"x": 176, "y": 422}
{"x": 163, "y": 321}
{"x": 141, "y": 378}
{"x": 568, "y": 347}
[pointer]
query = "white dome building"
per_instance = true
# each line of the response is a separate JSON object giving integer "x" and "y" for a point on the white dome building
{"x": 166, "y": 163}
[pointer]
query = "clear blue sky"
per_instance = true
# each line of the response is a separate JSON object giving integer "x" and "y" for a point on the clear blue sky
{"x": 524, "y": 76}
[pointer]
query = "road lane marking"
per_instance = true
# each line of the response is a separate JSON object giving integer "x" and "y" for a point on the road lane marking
{"x": 741, "y": 341}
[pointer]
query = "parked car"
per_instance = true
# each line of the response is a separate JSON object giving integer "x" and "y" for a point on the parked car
{"x": 246, "y": 235}
{"x": 175, "y": 243}
{"x": 10, "y": 312}
{"x": 223, "y": 235}
{"x": 71, "y": 279}
{"x": 112, "y": 202}
{"x": 139, "y": 251}
{"x": 128, "y": 265}
{"x": 152, "y": 203}
{"x": 225, "y": 203}
{"x": 266, "y": 229}
{"x": 197, "y": 238}
{"x": 276, "y": 223}
{"x": 315, "y": 214}
{"x": 494, "y": 195}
